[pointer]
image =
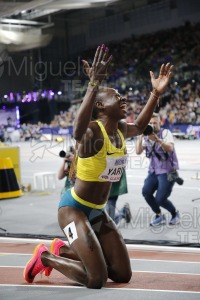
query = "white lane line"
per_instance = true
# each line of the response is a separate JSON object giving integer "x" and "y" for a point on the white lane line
{"x": 172, "y": 273}
{"x": 16, "y": 254}
{"x": 82, "y": 287}
{"x": 134, "y": 271}
{"x": 129, "y": 246}
{"x": 20, "y": 267}
{"x": 131, "y": 259}
{"x": 166, "y": 261}
{"x": 167, "y": 249}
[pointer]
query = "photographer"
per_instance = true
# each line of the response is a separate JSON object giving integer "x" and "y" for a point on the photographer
{"x": 163, "y": 166}
{"x": 65, "y": 169}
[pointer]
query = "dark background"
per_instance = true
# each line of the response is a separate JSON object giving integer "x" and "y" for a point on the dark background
{"x": 76, "y": 33}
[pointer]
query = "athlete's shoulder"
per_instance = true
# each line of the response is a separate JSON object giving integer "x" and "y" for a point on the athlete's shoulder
{"x": 95, "y": 129}
{"x": 122, "y": 126}
{"x": 94, "y": 126}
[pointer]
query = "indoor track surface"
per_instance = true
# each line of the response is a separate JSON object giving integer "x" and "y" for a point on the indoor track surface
{"x": 159, "y": 272}
{"x": 165, "y": 261}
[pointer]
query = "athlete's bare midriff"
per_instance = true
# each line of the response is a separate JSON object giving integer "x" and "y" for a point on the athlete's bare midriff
{"x": 94, "y": 192}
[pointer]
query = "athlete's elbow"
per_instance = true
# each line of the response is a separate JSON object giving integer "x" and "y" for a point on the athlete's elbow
{"x": 76, "y": 131}
{"x": 140, "y": 127}
{"x": 77, "y": 134}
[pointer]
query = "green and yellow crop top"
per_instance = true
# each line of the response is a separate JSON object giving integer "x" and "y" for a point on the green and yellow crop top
{"x": 107, "y": 164}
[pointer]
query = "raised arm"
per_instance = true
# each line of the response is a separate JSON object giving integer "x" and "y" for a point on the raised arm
{"x": 158, "y": 84}
{"x": 96, "y": 75}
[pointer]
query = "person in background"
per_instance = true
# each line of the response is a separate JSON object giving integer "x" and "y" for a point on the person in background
{"x": 97, "y": 249}
{"x": 2, "y": 133}
{"x": 65, "y": 170}
{"x": 118, "y": 188}
{"x": 162, "y": 175}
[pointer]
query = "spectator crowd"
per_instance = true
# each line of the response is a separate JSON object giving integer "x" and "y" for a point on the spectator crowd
{"x": 133, "y": 58}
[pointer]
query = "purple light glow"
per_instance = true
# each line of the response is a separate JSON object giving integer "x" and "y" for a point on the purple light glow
{"x": 34, "y": 96}
{"x": 28, "y": 97}
{"x": 18, "y": 116}
{"x": 51, "y": 94}
{"x": 11, "y": 96}
{"x": 31, "y": 96}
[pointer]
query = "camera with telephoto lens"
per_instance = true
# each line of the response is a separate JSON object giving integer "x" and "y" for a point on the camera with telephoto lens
{"x": 174, "y": 176}
{"x": 148, "y": 130}
{"x": 63, "y": 154}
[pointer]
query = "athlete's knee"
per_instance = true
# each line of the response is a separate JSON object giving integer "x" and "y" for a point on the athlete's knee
{"x": 121, "y": 274}
{"x": 97, "y": 281}
{"x": 127, "y": 277}
{"x": 123, "y": 277}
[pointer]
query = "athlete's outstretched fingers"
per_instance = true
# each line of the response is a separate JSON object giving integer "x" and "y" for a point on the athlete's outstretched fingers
{"x": 162, "y": 70}
{"x": 105, "y": 54}
{"x": 169, "y": 72}
{"x": 101, "y": 53}
{"x": 109, "y": 61}
{"x": 86, "y": 67}
{"x": 96, "y": 57}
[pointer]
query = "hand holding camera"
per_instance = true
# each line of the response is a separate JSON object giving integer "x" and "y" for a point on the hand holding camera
{"x": 174, "y": 176}
{"x": 149, "y": 131}
{"x": 68, "y": 157}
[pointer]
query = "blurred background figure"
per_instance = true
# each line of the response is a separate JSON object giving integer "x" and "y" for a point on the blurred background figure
{"x": 124, "y": 214}
{"x": 64, "y": 171}
{"x": 118, "y": 188}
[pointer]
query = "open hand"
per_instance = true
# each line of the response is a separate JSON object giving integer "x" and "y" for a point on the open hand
{"x": 98, "y": 70}
{"x": 162, "y": 81}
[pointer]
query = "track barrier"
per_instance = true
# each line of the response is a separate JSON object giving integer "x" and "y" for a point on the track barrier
{"x": 9, "y": 187}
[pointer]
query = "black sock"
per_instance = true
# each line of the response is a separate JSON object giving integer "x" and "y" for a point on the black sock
{"x": 173, "y": 214}
{"x": 158, "y": 214}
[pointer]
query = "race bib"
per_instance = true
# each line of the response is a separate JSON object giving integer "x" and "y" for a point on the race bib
{"x": 114, "y": 168}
